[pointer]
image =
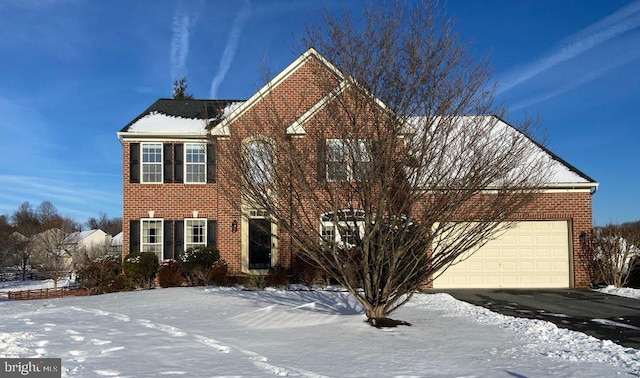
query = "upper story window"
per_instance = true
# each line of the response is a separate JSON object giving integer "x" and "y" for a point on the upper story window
{"x": 347, "y": 160}
{"x": 151, "y": 238}
{"x": 172, "y": 162}
{"x": 151, "y": 162}
{"x": 195, "y": 163}
{"x": 195, "y": 231}
{"x": 259, "y": 157}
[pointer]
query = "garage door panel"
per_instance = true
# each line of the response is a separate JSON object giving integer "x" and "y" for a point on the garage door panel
{"x": 532, "y": 254}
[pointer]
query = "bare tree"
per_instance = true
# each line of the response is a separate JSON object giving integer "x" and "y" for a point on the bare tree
{"x": 386, "y": 181}
{"x": 614, "y": 253}
{"x": 111, "y": 226}
{"x": 53, "y": 254}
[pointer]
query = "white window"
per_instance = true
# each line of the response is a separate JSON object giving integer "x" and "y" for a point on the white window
{"x": 342, "y": 228}
{"x": 151, "y": 238}
{"x": 195, "y": 163}
{"x": 347, "y": 160}
{"x": 259, "y": 159}
{"x": 195, "y": 231}
{"x": 151, "y": 162}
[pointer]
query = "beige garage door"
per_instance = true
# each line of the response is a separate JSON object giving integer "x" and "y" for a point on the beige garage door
{"x": 530, "y": 255}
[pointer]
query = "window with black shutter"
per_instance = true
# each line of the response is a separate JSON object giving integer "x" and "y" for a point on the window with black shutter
{"x": 212, "y": 233}
{"x": 178, "y": 239}
{"x": 211, "y": 162}
{"x": 134, "y": 236}
{"x": 179, "y": 163}
{"x": 168, "y": 162}
{"x": 134, "y": 162}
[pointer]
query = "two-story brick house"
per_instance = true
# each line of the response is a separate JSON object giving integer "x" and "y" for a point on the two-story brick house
{"x": 173, "y": 195}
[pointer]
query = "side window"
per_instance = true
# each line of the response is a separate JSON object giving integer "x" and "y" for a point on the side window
{"x": 347, "y": 160}
{"x": 151, "y": 162}
{"x": 195, "y": 163}
{"x": 151, "y": 236}
{"x": 337, "y": 164}
{"x": 195, "y": 232}
{"x": 259, "y": 157}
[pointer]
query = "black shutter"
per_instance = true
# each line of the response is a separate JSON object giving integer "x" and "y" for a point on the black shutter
{"x": 167, "y": 235}
{"x": 322, "y": 160}
{"x": 134, "y": 162}
{"x": 178, "y": 240}
{"x": 211, "y": 162}
{"x": 212, "y": 233}
{"x": 167, "y": 152}
{"x": 179, "y": 166}
{"x": 134, "y": 236}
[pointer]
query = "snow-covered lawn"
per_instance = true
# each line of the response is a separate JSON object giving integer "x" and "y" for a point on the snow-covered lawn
{"x": 198, "y": 332}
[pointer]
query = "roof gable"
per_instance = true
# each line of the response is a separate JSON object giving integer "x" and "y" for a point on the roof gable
{"x": 222, "y": 129}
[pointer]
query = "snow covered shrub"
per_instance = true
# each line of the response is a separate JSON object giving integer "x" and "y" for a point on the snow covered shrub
{"x": 170, "y": 274}
{"x": 218, "y": 275}
{"x": 141, "y": 268}
{"x": 306, "y": 272}
{"x": 277, "y": 276}
{"x": 614, "y": 253}
{"x": 102, "y": 275}
{"x": 197, "y": 263}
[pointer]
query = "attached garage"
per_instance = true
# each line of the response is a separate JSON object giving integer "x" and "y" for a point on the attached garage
{"x": 533, "y": 254}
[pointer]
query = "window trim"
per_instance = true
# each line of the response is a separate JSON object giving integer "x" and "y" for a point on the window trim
{"x": 188, "y": 244}
{"x": 160, "y": 235}
{"x": 186, "y": 164}
{"x": 330, "y": 224}
{"x": 348, "y": 162}
{"x": 158, "y": 163}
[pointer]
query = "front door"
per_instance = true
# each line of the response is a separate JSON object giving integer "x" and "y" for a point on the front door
{"x": 259, "y": 243}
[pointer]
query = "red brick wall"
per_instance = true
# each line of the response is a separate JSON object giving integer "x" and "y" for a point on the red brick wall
{"x": 178, "y": 201}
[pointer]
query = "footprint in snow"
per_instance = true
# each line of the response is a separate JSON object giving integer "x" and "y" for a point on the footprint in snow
{"x": 107, "y": 373}
{"x": 78, "y": 355}
{"x": 109, "y": 350}
{"x": 100, "y": 342}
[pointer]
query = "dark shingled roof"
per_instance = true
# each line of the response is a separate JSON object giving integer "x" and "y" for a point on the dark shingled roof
{"x": 187, "y": 108}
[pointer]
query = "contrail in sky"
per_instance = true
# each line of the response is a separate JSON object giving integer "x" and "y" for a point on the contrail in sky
{"x": 230, "y": 48}
{"x": 625, "y": 19}
{"x": 184, "y": 18}
{"x": 577, "y": 82}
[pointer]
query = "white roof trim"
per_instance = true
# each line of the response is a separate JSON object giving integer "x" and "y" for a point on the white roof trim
{"x": 222, "y": 129}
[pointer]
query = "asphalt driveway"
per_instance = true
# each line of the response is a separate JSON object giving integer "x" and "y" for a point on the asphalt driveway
{"x": 606, "y": 317}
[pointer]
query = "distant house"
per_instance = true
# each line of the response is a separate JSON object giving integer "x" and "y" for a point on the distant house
{"x": 172, "y": 188}
{"x": 115, "y": 247}
{"x": 90, "y": 240}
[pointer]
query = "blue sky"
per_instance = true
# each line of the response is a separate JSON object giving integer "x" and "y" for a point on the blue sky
{"x": 73, "y": 72}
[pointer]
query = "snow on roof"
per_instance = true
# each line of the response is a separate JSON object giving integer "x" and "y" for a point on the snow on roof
{"x": 182, "y": 116}
{"x": 117, "y": 240}
{"x": 560, "y": 172}
{"x": 161, "y": 123}
{"x": 76, "y": 237}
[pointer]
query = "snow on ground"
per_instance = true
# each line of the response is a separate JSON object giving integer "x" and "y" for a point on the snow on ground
{"x": 621, "y": 291}
{"x": 198, "y": 332}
